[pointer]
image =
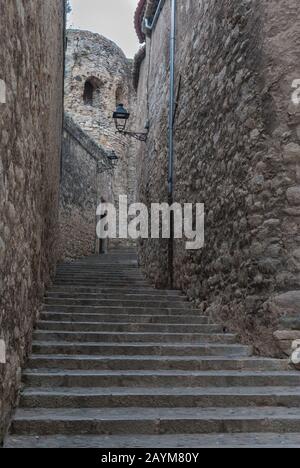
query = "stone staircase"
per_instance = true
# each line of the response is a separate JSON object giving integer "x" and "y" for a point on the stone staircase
{"x": 117, "y": 363}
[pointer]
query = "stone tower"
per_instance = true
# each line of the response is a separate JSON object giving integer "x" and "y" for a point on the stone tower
{"x": 98, "y": 76}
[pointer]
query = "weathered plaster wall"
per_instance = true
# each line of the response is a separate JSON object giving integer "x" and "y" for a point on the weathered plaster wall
{"x": 237, "y": 150}
{"x": 31, "y": 65}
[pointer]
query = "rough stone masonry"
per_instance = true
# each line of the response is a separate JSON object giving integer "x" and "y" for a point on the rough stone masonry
{"x": 31, "y": 76}
{"x": 98, "y": 77}
{"x": 86, "y": 178}
{"x": 237, "y": 135}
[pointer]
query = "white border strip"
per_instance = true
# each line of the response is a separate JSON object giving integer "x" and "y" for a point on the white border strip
{"x": 2, "y": 92}
{"x": 2, "y": 352}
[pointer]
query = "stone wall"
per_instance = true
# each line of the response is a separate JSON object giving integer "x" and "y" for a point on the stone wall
{"x": 86, "y": 178}
{"x": 31, "y": 66}
{"x": 98, "y": 76}
{"x": 236, "y": 150}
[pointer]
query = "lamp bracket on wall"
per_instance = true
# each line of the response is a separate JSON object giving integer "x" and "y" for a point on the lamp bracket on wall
{"x": 135, "y": 135}
{"x": 121, "y": 117}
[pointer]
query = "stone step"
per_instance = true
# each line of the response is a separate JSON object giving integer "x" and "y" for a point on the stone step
{"x": 230, "y": 440}
{"x": 100, "y": 267}
{"x": 117, "y": 255}
{"x": 127, "y": 337}
{"x": 100, "y": 283}
{"x": 127, "y": 327}
{"x": 109, "y": 260}
{"x": 72, "y": 378}
{"x": 114, "y": 267}
{"x": 131, "y": 266}
{"x": 122, "y": 397}
{"x": 118, "y": 252}
{"x": 104, "y": 276}
{"x": 126, "y": 258}
{"x": 121, "y": 310}
{"x": 117, "y": 296}
{"x": 155, "y": 420}
{"x": 102, "y": 271}
{"x": 113, "y": 290}
{"x": 86, "y": 285}
{"x": 109, "y": 256}
{"x": 89, "y": 362}
{"x": 67, "y": 301}
{"x": 123, "y": 318}
{"x": 129, "y": 349}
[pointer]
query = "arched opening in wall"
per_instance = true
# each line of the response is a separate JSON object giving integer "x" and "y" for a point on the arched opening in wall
{"x": 88, "y": 95}
{"x": 91, "y": 93}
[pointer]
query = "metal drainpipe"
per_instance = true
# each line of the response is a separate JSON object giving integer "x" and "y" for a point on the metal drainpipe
{"x": 63, "y": 87}
{"x": 149, "y": 26}
{"x": 171, "y": 137}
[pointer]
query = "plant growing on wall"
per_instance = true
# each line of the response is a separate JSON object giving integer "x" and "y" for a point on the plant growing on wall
{"x": 68, "y": 7}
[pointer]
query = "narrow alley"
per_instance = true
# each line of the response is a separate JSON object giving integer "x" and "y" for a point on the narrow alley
{"x": 149, "y": 225}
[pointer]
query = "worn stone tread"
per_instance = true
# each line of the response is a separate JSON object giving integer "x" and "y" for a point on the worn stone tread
{"x": 153, "y": 348}
{"x": 124, "y": 318}
{"x": 116, "y": 296}
{"x": 138, "y": 336}
{"x": 282, "y": 364}
{"x": 247, "y": 391}
{"x": 161, "y": 397}
{"x": 136, "y": 327}
{"x": 246, "y": 440}
{"x": 146, "y": 362}
{"x": 155, "y": 420}
{"x": 121, "y": 309}
{"x": 155, "y": 378}
{"x": 107, "y": 414}
{"x": 222, "y": 373}
{"x": 64, "y": 301}
{"x": 113, "y": 290}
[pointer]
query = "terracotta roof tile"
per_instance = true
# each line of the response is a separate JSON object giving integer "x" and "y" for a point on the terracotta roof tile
{"x": 138, "y": 20}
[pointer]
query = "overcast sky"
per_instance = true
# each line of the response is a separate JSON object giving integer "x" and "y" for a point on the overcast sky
{"x": 111, "y": 18}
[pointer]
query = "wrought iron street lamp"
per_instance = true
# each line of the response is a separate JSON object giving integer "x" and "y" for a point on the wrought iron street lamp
{"x": 121, "y": 116}
{"x": 107, "y": 164}
{"x": 112, "y": 156}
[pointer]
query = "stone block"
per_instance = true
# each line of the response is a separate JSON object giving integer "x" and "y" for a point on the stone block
{"x": 295, "y": 357}
{"x": 286, "y": 303}
{"x": 285, "y": 340}
{"x": 293, "y": 195}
